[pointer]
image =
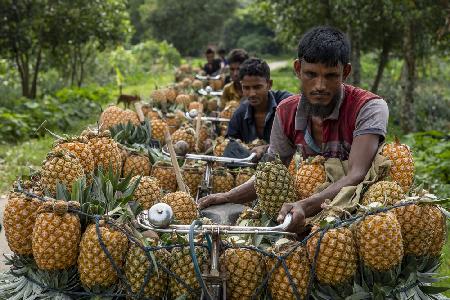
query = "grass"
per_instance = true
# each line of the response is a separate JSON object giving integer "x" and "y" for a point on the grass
{"x": 444, "y": 270}
{"x": 19, "y": 159}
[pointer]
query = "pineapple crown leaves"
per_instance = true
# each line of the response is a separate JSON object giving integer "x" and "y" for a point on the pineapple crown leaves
{"x": 129, "y": 134}
{"x": 26, "y": 281}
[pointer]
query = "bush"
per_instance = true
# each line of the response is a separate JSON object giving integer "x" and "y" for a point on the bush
{"x": 431, "y": 150}
{"x": 61, "y": 110}
{"x": 138, "y": 61}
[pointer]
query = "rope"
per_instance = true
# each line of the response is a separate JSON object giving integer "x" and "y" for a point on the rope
{"x": 281, "y": 259}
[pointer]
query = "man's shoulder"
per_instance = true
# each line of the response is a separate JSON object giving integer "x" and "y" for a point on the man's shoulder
{"x": 289, "y": 102}
{"x": 280, "y": 95}
{"x": 358, "y": 93}
{"x": 242, "y": 109}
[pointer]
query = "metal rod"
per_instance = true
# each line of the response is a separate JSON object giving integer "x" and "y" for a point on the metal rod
{"x": 223, "y": 229}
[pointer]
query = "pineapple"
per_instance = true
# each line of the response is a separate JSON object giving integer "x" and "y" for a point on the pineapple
{"x": 138, "y": 264}
{"x": 56, "y": 235}
{"x": 183, "y": 99}
{"x": 164, "y": 172}
{"x": 181, "y": 265}
{"x": 136, "y": 164}
{"x": 229, "y": 110}
{"x": 379, "y": 240}
{"x": 310, "y": 176}
{"x": 298, "y": 266}
{"x": 222, "y": 180}
{"x": 63, "y": 167}
{"x": 274, "y": 187}
{"x": 421, "y": 227}
{"x": 194, "y": 105}
{"x": 439, "y": 234}
{"x": 114, "y": 115}
{"x": 183, "y": 206}
{"x": 402, "y": 168}
{"x": 94, "y": 267}
{"x": 158, "y": 96}
{"x": 185, "y": 68}
{"x": 385, "y": 192}
{"x": 216, "y": 84}
{"x": 244, "y": 175}
{"x": 19, "y": 218}
{"x": 111, "y": 116}
{"x": 158, "y": 129}
{"x": 171, "y": 94}
{"x": 219, "y": 147}
{"x": 197, "y": 84}
{"x": 186, "y": 82}
{"x": 337, "y": 258}
{"x": 150, "y": 113}
{"x": 186, "y": 134}
{"x": 147, "y": 192}
{"x": 244, "y": 270}
{"x": 80, "y": 148}
{"x": 173, "y": 122}
{"x": 106, "y": 152}
{"x": 192, "y": 176}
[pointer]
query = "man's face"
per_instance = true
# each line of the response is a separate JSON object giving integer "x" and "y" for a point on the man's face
{"x": 234, "y": 71}
{"x": 320, "y": 83}
{"x": 210, "y": 57}
{"x": 256, "y": 89}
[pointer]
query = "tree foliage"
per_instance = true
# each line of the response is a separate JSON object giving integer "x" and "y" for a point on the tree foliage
{"x": 406, "y": 28}
{"x": 38, "y": 32}
{"x": 189, "y": 25}
{"x": 245, "y": 30}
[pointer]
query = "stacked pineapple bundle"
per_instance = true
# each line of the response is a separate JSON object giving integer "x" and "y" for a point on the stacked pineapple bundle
{"x": 76, "y": 217}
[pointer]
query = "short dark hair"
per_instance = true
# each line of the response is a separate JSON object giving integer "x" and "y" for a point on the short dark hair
{"x": 237, "y": 56}
{"x": 326, "y": 45}
{"x": 221, "y": 51}
{"x": 209, "y": 51}
{"x": 254, "y": 67}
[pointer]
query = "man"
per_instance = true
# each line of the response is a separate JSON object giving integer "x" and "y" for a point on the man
{"x": 254, "y": 117}
{"x": 328, "y": 118}
{"x": 223, "y": 61}
{"x": 232, "y": 91}
{"x": 212, "y": 66}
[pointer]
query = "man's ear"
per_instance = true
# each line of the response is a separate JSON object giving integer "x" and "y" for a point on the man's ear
{"x": 269, "y": 84}
{"x": 346, "y": 71}
{"x": 297, "y": 67}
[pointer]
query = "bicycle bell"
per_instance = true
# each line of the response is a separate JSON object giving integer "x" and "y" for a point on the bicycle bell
{"x": 160, "y": 215}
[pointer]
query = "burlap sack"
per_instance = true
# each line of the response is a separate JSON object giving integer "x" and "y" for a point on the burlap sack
{"x": 348, "y": 198}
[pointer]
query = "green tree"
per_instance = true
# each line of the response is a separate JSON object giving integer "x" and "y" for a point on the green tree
{"x": 38, "y": 32}
{"x": 189, "y": 25}
{"x": 410, "y": 29}
{"x": 245, "y": 30}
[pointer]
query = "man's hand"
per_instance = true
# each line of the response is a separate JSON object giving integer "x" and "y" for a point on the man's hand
{"x": 213, "y": 199}
{"x": 298, "y": 216}
{"x": 260, "y": 151}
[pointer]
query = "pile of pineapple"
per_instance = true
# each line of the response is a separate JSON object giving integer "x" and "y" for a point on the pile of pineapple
{"x": 72, "y": 229}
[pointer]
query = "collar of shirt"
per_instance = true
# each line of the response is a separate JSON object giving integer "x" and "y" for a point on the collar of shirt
{"x": 271, "y": 111}
{"x": 301, "y": 116}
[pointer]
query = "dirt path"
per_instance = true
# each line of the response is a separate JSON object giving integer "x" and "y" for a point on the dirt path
{"x": 3, "y": 244}
{"x": 278, "y": 64}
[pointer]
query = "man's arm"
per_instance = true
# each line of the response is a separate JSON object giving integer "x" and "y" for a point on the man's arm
{"x": 362, "y": 153}
{"x": 241, "y": 194}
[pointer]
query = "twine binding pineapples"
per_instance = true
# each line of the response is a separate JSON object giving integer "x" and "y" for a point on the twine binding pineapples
{"x": 281, "y": 260}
